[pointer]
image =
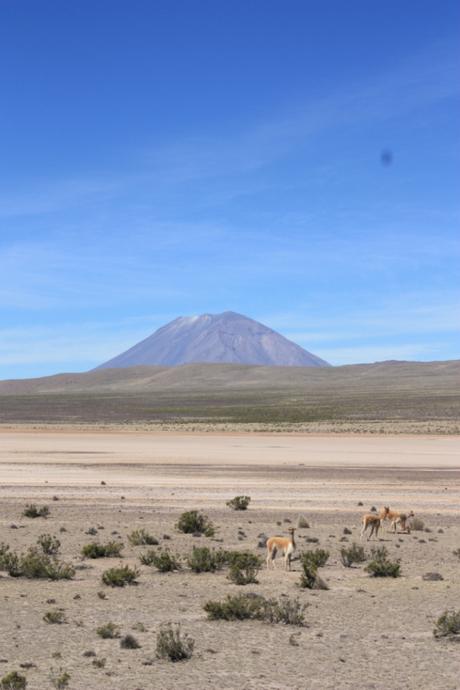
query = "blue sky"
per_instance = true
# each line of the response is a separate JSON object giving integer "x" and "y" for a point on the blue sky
{"x": 179, "y": 157}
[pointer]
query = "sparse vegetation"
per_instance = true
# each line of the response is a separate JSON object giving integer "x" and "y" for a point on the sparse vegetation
{"x": 60, "y": 679}
{"x": 380, "y": 566}
{"x": 239, "y": 503}
{"x": 302, "y": 522}
{"x": 310, "y": 562}
{"x": 33, "y": 511}
{"x": 244, "y": 567}
{"x": 194, "y": 522}
{"x": 317, "y": 558}
{"x": 416, "y": 524}
{"x": 13, "y": 681}
{"x": 254, "y": 606}
{"x": 129, "y": 642}
{"x": 55, "y": 616}
{"x": 352, "y": 554}
{"x": 205, "y": 560}
{"x": 108, "y": 631}
{"x": 49, "y": 544}
{"x": 456, "y": 552}
{"x": 120, "y": 577}
{"x": 148, "y": 557}
{"x": 448, "y": 625}
{"x": 34, "y": 565}
{"x": 172, "y": 644}
{"x": 140, "y": 537}
{"x": 110, "y": 550}
{"x": 165, "y": 561}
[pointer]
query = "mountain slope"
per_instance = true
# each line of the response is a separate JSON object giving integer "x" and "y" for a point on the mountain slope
{"x": 215, "y": 338}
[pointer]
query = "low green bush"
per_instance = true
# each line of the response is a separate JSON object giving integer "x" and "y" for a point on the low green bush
{"x": 256, "y": 607}
{"x": 140, "y": 537}
{"x": 172, "y": 644}
{"x": 205, "y": 560}
{"x": 194, "y": 522}
{"x": 352, "y": 554}
{"x": 13, "y": 681}
{"x": 239, "y": 503}
{"x": 165, "y": 561}
{"x": 129, "y": 642}
{"x": 244, "y": 567}
{"x": 110, "y": 550}
{"x": 49, "y": 544}
{"x": 34, "y": 565}
{"x": 317, "y": 558}
{"x": 380, "y": 566}
{"x": 55, "y": 616}
{"x": 108, "y": 631}
{"x": 119, "y": 577}
{"x": 33, "y": 511}
{"x": 448, "y": 625}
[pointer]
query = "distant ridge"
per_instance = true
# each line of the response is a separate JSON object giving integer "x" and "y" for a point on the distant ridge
{"x": 227, "y": 338}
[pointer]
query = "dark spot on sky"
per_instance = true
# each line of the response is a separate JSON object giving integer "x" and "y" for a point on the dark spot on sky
{"x": 386, "y": 157}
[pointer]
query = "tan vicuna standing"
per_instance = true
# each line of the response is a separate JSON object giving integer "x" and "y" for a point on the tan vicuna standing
{"x": 371, "y": 522}
{"x": 397, "y": 519}
{"x": 285, "y": 545}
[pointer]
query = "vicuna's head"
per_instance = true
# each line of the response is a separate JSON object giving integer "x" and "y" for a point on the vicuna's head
{"x": 411, "y": 514}
{"x": 385, "y": 510}
{"x": 291, "y": 531}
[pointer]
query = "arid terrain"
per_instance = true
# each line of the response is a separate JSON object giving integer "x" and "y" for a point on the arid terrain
{"x": 361, "y": 633}
{"x": 386, "y": 397}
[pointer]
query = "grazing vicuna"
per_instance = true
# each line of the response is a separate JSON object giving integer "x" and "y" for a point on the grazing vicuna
{"x": 371, "y": 522}
{"x": 285, "y": 545}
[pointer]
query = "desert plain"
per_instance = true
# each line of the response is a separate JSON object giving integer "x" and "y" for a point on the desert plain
{"x": 363, "y": 633}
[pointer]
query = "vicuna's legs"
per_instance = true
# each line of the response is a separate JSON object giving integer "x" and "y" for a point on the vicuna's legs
{"x": 271, "y": 555}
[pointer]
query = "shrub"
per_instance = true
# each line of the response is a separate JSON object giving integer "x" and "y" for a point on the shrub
{"x": 380, "y": 566}
{"x": 352, "y": 554}
{"x": 35, "y": 565}
{"x": 193, "y": 522}
{"x": 317, "y": 558}
{"x": 310, "y": 562}
{"x": 33, "y": 511}
{"x": 148, "y": 557}
{"x": 49, "y": 545}
{"x": 456, "y": 552}
{"x": 140, "y": 537}
{"x": 244, "y": 567}
{"x": 119, "y": 577}
{"x": 239, "y": 502}
{"x": 417, "y": 525}
{"x": 60, "y": 679}
{"x": 287, "y": 611}
{"x": 203, "y": 560}
{"x": 256, "y": 607}
{"x": 13, "y": 681}
{"x": 448, "y": 625}
{"x": 172, "y": 644}
{"x": 108, "y": 631}
{"x": 129, "y": 642}
{"x": 55, "y": 616}
{"x": 302, "y": 522}
{"x": 110, "y": 550}
{"x": 165, "y": 562}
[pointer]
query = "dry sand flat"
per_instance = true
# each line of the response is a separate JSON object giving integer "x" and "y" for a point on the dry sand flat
{"x": 363, "y": 633}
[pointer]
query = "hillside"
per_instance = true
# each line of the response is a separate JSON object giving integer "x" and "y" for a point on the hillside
{"x": 237, "y": 394}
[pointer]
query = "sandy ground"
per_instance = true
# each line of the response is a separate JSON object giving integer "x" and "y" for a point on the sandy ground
{"x": 362, "y": 633}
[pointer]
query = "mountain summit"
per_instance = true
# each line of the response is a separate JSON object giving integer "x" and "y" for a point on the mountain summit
{"x": 215, "y": 338}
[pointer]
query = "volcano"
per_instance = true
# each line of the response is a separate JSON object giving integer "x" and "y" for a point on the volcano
{"x": 215, "y": 338}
